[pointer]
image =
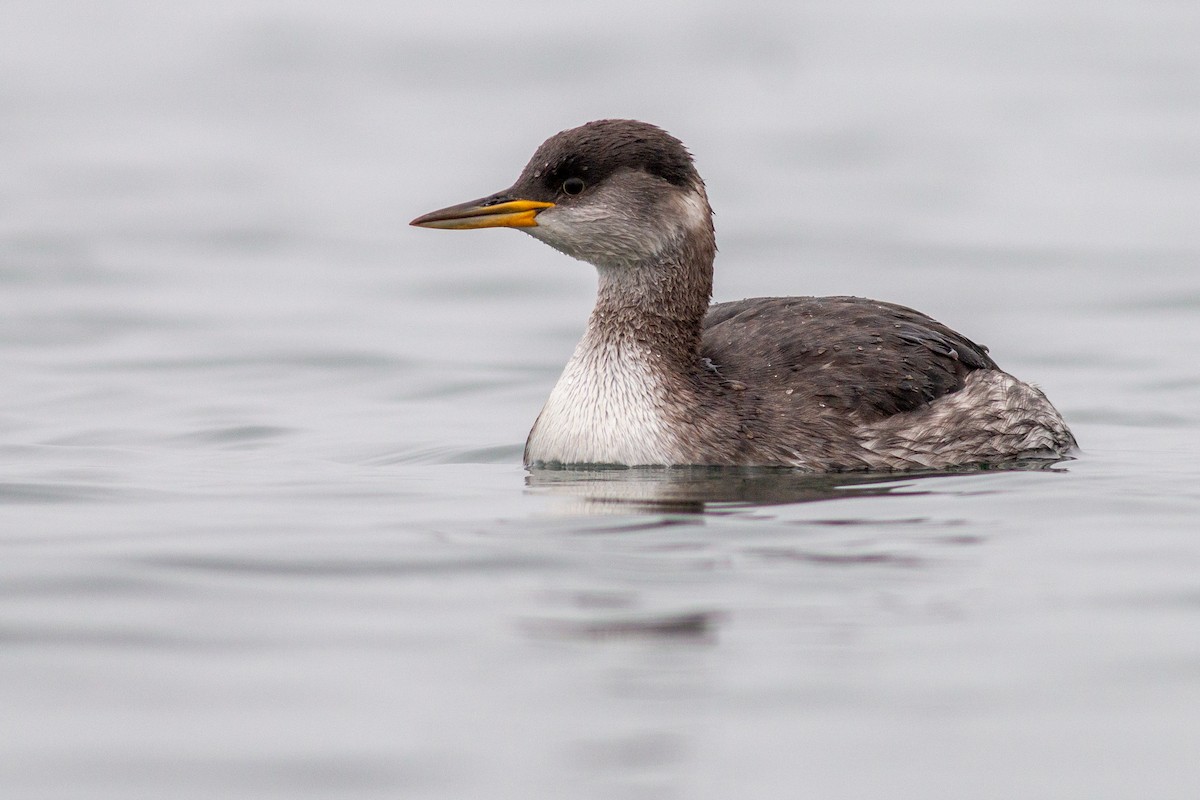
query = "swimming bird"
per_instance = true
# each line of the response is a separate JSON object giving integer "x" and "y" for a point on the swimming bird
{"x": 661, "y": 377}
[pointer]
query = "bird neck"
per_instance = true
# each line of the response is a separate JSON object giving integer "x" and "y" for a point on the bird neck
{"x": 657, "y": 306}
{"x": 632, "y": 381}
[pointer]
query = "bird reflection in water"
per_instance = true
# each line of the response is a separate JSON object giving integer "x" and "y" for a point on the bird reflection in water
{"x": 698, "y": 490}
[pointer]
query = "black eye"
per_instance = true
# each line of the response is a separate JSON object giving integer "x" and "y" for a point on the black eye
{"x": 573, "y": 185}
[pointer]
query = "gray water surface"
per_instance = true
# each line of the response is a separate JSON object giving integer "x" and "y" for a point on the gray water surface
{"x": 264, "y": 531}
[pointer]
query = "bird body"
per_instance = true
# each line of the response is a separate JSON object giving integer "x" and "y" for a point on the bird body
{"x": 660, "y": 377}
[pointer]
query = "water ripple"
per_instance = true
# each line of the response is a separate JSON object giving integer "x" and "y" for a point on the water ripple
{"x": 692, "y": 625}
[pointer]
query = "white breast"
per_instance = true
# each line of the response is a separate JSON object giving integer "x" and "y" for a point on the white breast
{"x": 607, "y": 408}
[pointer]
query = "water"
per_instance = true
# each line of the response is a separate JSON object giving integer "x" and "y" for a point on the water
{"x": 263, "y": 525}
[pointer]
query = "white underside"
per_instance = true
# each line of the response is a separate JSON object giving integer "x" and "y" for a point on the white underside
{"x": 607, "y": 408}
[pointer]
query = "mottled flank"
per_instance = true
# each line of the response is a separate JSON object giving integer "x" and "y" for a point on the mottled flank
{"x": 993, "y": 417}
{"x": 662, "y": 378}
{"x": 844, "y": 383}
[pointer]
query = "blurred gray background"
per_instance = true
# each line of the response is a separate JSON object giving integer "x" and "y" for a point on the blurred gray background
{"x": 264, "y": 530}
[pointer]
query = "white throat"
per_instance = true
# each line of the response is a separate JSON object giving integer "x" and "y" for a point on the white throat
{"x": 608, "y": 407}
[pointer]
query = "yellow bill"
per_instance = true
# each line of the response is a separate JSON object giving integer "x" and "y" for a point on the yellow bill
{"x": 485, "y": 213}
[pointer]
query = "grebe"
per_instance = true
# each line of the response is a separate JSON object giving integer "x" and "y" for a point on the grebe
{"x": 663, "y": 378}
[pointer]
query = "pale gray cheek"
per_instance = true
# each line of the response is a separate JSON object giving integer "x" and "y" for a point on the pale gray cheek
{"x": 602, "y": 234}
